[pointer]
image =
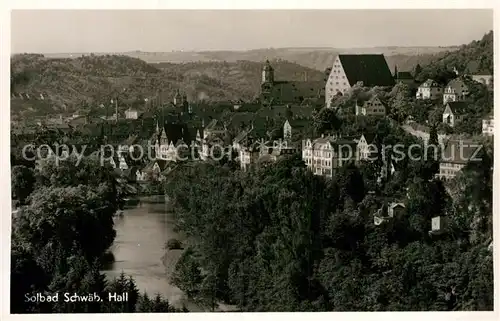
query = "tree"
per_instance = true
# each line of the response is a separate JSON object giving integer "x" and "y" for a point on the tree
{"x": 119, "y": 285}
{"x": 22, "y": 183}
{"x": 399, "y": 101}
{"x": 69, "y": 215}
{"x": 326, "y": 122}
{"x": 187, "y": 274}
{"x": 351, "y": 183}
{"x": 417, "y": 71}
{"x": 427, "y": 199}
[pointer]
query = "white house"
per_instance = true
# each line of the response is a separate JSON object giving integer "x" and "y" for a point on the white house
{"x": 393, "y": 210}
{"x": 372, "y": 107}
{"x": 429, "y": 90}
{"x": 438, "y": 225}
{"x": 323, "y": 156}
{"x": 131, "y": 114}
{"x": 287, "y": 130}
{"x": 484, "y": 79}
{"x": 164, "y": 149}
{"x": 122, "y": 164}
{"x": 140, "y": 176}
{"x": 365, "y": 149}
{"x": 454, "y": 112}
{"x": 455, "y": 90}
{"x": 488, "y": 129}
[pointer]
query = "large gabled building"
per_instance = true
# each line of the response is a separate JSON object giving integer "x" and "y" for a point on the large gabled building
{"x": 368, "y": 70}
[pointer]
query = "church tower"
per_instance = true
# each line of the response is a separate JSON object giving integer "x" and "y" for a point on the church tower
{"x": 267, "y": 73}
{"x": 267, "y": 84}
{"x": 178, "y": 101}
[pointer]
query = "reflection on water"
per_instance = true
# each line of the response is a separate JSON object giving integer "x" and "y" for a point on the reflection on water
{"x": 141, "y": 234}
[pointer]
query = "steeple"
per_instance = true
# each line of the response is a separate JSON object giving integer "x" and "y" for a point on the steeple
{"x": 267, "y": 73}
{"x": 177, "y": 98}
{"x": 396, "y": 72}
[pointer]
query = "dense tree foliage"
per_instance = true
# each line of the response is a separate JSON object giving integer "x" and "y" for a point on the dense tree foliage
{"x": 86, "y": 82}
{"x": 278, "y": 238}
{"x": 22, "y": 183}
{"x": 475, "y": 57}
{"x": 60, "y": 235}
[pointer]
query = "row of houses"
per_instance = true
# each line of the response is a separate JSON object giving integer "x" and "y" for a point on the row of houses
{"x": 454, "y": 96}
{"x": 323, "y": 155}
{"x": 455, "y": 90}
{"x": 372, "y": 70}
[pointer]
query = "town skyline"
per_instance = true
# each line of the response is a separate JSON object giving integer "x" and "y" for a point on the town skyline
{"x": 107, "y": 31}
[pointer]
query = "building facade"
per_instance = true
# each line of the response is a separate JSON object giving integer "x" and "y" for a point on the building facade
{"x": 323, "y": 156}
{"x": 429, "y": 90}
{"x": 454, "y": 112}
{"x": 278, "y": 92}
{"x": 365, "y": 149}
{"x": 248, "y": 156}
{"x": 131, "y": 114}
{"x": 488, "y": 128}
{"x": 170, "y": 141}
{"x": 456, "y": 155}
{"x": 455, "y": 90}
{"x": 372, "y": 107}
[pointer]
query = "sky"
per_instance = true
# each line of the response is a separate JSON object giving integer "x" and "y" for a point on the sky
{"x": 82, "y": 31}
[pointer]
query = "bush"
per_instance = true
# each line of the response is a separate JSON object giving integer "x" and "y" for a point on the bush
{"x": 174, "y": 244}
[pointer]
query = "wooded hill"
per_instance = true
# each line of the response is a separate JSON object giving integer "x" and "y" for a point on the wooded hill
{"x": 473, "y": 58}
{"x": 42, "y": 86}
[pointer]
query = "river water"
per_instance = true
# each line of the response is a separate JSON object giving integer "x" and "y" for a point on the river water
{"x": 138, "y": 249}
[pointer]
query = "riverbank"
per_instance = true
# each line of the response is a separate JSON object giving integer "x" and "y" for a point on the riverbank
{"x": 170, "y": 260}
{"x": 139, "y": 250}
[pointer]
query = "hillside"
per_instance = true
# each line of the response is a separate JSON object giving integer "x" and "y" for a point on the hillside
{"x": 316, "y": 58}
{"x": 473, "y": 58}
{"x": 42, "y": 85}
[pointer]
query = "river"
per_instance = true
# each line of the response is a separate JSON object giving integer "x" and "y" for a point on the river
{"x": 138, "y": 249}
